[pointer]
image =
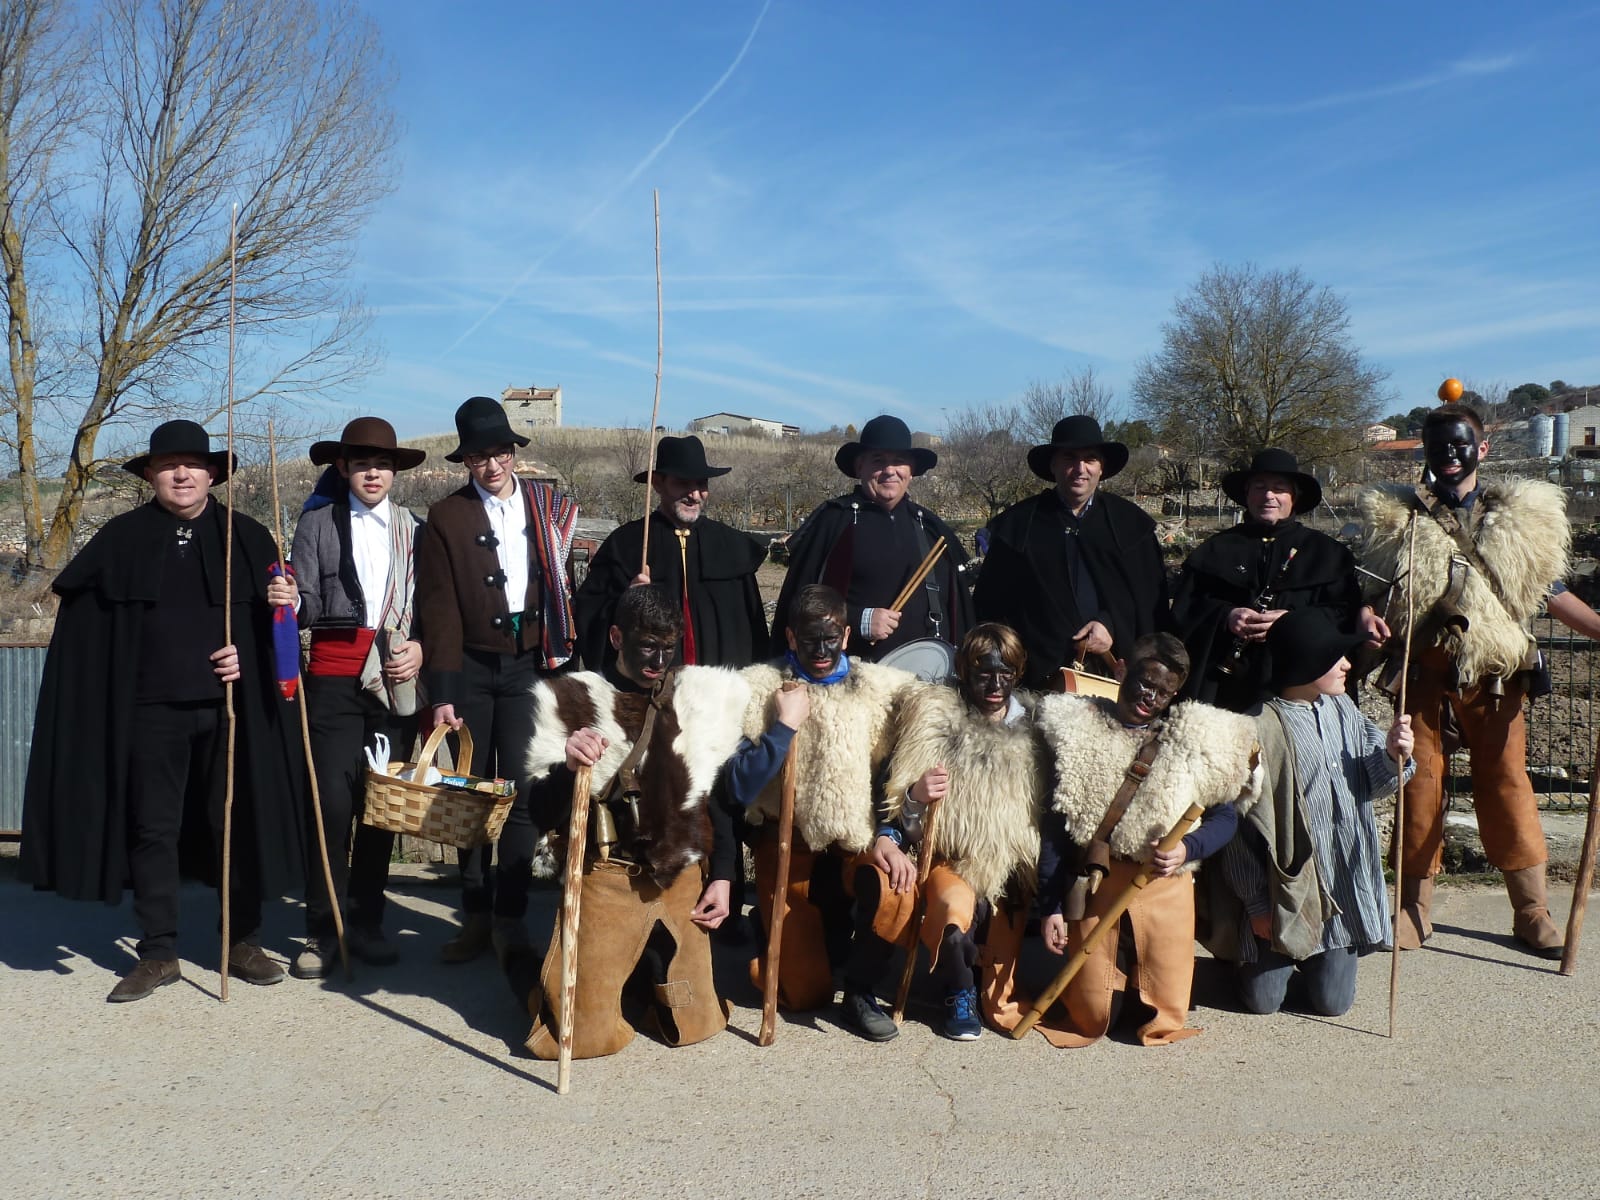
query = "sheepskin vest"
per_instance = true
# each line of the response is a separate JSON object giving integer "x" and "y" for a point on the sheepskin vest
{"x": 1520, "y": 529}
{"x": 838, "y": 750}
{"x": 988, "y": 823}
{"x": 692, "y": 737}
{"x": 1207, "y": 757}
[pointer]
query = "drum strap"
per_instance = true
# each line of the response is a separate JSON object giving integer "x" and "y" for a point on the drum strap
{"x": 930, "y": 583}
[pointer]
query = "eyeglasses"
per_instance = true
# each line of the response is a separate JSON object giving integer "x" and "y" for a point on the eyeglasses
{"x": 483, "y": 460}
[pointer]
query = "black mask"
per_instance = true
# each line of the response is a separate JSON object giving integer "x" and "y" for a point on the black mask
{"x": 824, "y": 639}
{"x": 1150, "y": 686}
{"x": 1451, "y": 450}
{"x": 645, "y": 657}
{"x": 988, "y": 677}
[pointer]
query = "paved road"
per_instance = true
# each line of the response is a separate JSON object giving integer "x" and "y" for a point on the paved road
{"x": 409, "y": 1082}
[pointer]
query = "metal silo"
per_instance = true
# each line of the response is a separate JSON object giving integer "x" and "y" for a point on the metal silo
{"x": 1558, "y": 434}
{"x": 1541, "y": 432}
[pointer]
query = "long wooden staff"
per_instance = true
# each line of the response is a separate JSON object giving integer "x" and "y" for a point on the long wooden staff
{"x": 1580, "y": 894}
{"x": 1400, "y": 790}
{"x": 655, "y": 405}
{"x": 227, "y": 627}
{"x": 305, "y": 723}
{"x": 571, "y": 903}
{"x": 915, "y": 581}
{"x": 780, "y": 894}
{"x": 924, "y": 865}
{"x": 1107, "y": 925}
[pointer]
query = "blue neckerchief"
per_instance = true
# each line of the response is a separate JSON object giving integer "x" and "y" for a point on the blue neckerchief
{"x": 834, "y": 676}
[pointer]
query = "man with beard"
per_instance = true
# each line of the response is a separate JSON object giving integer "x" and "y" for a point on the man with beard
{"x": 1217, "y": 609}
{"x": 1126, "y": 772}
{"x": 1488, "y": 553}
{"x": 131, "y": 728}
{"x": 970, "y": 753}
{"x": 839, "y": 725}
{"x": 867, "y": 544}
{"x": 710, "y": 567}
{"x": 655, "y": 877}
{"x": 1073, "y": 570}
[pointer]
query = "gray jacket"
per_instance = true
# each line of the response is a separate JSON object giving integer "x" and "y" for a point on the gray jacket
{"x": 326, "y": 569}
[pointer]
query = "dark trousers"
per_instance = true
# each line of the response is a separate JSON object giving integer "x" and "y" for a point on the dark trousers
{"x": 497, "y": 705}
{"x": 343, "y": 717}
{"x": 178, "y": 752}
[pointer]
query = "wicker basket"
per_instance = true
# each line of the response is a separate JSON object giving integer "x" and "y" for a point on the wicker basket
{"x": 453, "y": 816}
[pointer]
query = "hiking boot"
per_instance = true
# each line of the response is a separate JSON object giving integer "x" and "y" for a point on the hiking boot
{"x": 317, "y": 959}
{"x": 147, "y": 975}
{"x": 865, "y": 1015}
{"x": 368, "y": 944}
{"x": 249, "y": 962}
{"x": 471, "y": 941}
{"x": 1531, "y": 923}
{"x": 962, "y": 1024}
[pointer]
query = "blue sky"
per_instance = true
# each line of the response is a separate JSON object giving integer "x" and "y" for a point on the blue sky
{"x": 901, "y": 207}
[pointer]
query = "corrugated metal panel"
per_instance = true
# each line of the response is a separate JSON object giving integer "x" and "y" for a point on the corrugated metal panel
{"x": 21, "y": 668}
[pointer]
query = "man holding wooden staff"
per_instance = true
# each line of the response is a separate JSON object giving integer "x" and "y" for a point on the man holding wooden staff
{"x": 495, "y": 607}
{"x": 839, "y": 725}
{"x": 656, "y": 871}
{"x": 1487, "y": 557}
{"x": 1126, "y": 772}
{"x": 869, "y": 543}
{"x": 1074, "y": 570}
{"x": 132, "y": 728}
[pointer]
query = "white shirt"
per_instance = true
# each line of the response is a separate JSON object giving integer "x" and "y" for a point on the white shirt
{"x": 369, "y": 546}
{"x": 508, "y": 519}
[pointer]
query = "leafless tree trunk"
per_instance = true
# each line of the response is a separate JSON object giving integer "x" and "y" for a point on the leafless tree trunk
{"x": 1043, "y": 404}
{"x": 983, "y": 458}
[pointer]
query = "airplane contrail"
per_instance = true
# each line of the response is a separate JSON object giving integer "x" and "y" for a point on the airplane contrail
{"x": 626, "y": 183}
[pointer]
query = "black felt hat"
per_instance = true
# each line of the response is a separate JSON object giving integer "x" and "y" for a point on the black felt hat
{"x": 1307, "y": 491}
{"x": 366, "y": 433}
{"x": 684, "y": 457}
{"x": 1078, "y": 433}
{"x": 885, "y": 433}
{"x": 184, "y": 437}
{"x": 481, "y": 425}
{"x": 1304, "y": 644}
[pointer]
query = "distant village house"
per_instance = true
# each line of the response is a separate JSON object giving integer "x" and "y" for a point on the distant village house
{"x": 536, "y": 407}
{"x": 729, "y": 423}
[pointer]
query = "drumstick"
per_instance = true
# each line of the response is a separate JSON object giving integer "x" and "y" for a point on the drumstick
{"x": 922, "y": 573}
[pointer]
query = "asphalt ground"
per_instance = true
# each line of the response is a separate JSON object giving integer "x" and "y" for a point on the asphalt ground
{"x": 410, "y": 1081}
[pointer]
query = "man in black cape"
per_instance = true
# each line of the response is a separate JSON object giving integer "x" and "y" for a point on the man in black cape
{"x": 868, "y": 543}
{"x": 1073, "y": 564}
{"x": 708, "y": 567}
{"x": 1215, "y": 609}
{"x": 128, "y": 763}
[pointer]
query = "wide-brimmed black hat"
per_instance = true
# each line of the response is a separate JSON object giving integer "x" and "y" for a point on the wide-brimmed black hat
{"x": 366, "y": 433}
{"x": 1307, "y": 491}
{"x": 481, "y": 425}
{"x": 885, "y": 433}
{"x": 1078, "y": 433}
{"x": 1304, "y": 644}
{"x": 184, "y": 437}
{"x": 684, "y": 457}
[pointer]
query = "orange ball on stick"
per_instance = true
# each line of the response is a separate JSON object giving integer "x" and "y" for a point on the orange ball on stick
{"x": 1450, "y": 391}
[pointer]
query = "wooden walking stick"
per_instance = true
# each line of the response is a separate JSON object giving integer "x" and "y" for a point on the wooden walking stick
{"x": 305, "y": 723}
{"x": 921, "y": 573}
{"x": 1400, "y": 790}
{"x": 571, "y": 904}
{"x": 780, "y": 894}
{"x": 1580, "y": 893}
{"x": 1107, "y": 925}
{"x": 924, "y": 866}
{"x": 655, "y": 405}
{"x": 227, "y": 627}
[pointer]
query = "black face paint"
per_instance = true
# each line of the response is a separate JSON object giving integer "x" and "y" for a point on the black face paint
{"x": 1149, "y": 687}
{"x": 987, "y": 679}
{"x": 1451, "y": 450}
{"x": 645, "y": 657}
{"x": 816, "y": 642}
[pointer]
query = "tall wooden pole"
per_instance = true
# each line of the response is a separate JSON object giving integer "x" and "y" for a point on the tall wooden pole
{"x": 920, "y": 913}
{"x": 225, "y": 891}
{"x": 1580, "y": 892}
{"x": 1400, "y": 766}
{"x": 571, "y": 909}
{"x": 655, "y": 405}
{"x": 780, "y": 895}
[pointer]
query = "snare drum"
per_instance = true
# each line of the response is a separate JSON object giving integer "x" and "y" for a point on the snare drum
{"x": 928, "y": 659}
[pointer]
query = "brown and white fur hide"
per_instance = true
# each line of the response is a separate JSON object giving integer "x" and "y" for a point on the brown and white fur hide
{"x": 692, "y": 738}
{"x": 987, "y": 825}
{"x": 839, "y": 749}
{"x": 1207, "y": 757}
{"x": 1520, "y": 529}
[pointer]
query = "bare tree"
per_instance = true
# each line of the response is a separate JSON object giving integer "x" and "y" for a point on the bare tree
{"x": 1043, "y": 404}
{"x": 187, "y": 107}
{"x": 985, "y": 459}
{"x": 1258, "y": 358}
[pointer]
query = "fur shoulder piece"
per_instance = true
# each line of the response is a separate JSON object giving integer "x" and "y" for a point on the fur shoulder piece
{"x": 1208, "y": 757}
{"x": 988, "y": 823}
{"x": 710, "y": 703}
{"x": 562, "y": 706}
{"x": 1519, "y": 528}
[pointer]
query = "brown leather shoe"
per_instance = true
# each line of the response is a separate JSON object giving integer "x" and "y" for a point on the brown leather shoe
{"x": 147, "y": 975}
{"x": 1531, "y": 923}
{"x": 1416, "y": 899}
{"x": 249, "y": 962}
{"x": 473, "y": 940}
